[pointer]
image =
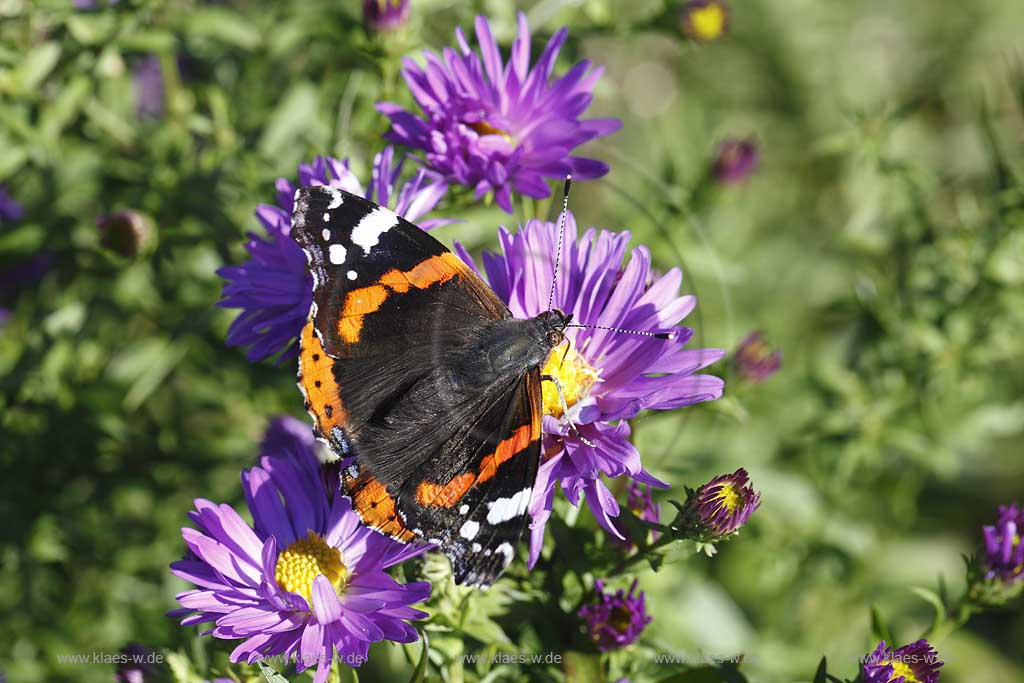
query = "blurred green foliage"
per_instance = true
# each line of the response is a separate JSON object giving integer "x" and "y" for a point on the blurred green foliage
{"x": 880, "y": 244}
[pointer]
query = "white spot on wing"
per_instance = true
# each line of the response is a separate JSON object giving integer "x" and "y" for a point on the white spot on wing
{"x": 367, "y": 232}
{"x": 337, "y": 254}
{"x": 352, "y": 275}
{"x": 463, "y": 509}
{"x": 469, "y": 530}
{"x": 506, "y": 550}
{"x": 326, "y": 234}
{"x": 505, "y": 509}
{"x": 477, "y": 547}
{"x": 336, "y": 197}
{"x": 327, "y": 217}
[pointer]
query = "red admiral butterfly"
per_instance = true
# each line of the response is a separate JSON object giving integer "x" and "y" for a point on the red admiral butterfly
{"x": 410, "y": 364}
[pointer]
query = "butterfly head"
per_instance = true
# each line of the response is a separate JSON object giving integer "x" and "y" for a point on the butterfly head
{"x": 550, "y": 327}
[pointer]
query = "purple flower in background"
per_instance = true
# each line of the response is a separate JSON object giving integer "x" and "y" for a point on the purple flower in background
{"x": 274, "y": 288}
{"x": 498, "y": 127}
{"x": 735, "y": 161}
{"x": 725, "y": 503}
{"x": 306, "y": 580}
{"x": 149, "y": 88}
{"x": 10, "y": 210}
{"x": 914, "y": 663}
{"x": 90, "y": 4}
{"x": 614, "y": 620}
{"x": 140, "y": 664}
{"x": 755, "y": 360}
{"x": 385, "y": 15}
{"x": 1004, "y": 547}
{"x": 640, "y": 501}
{"x": 607, "y": 377}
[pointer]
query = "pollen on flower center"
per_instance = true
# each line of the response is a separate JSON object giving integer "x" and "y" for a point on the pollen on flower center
{"x": 901, "y": 669}
{"x": 727, "y": 496}
{"x": 304, "y": 560}
{"x": 484, "y": 128}
{"x": 574, "y": 374}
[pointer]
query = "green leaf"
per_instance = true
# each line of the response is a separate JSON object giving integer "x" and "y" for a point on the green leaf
{"x": 270, "y": 675}
{"x": 419, "y": 675}
{"x": 879, "y": 628}
{"x": 933, "y": 599}
{"x": 92, "y": 28}
{"x": 36, "y": 66}
{"x": 582, "y": 667}
{"x": 822, "y": 674}
{"x": 223, "y": 25}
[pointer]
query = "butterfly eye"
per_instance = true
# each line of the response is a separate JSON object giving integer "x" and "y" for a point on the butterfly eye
{"x": 555, "y": 337}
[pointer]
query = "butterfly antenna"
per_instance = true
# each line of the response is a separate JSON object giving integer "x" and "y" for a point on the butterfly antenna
{"x": 642, "y": 333}
{"x": 561, "y": 238}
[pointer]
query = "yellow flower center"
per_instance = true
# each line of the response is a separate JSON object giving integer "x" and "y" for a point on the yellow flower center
{"x": 574, "y": 374}
{"x": 728, "y": 497}
{"x": 708, "y": 23}
{"x": 306, "y": 559}
{"x": 620, "y": 619}
{"x": 484, "y": 128}
{"x": 901, "y": 669}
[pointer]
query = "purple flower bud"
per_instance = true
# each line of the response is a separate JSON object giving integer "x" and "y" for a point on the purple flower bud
{"x": 127, "y": 233}
{"x": 755, "y": 360}
{"x": 914, "y": 663}
{"x": 705, "y": 20}
{"x": 385, "y": 15}
{"x": 735, "y": 161}
{"x": 641, "y": 503}
{"x": 1004, "y": 549}
{"x": 615, "y": 620}
{"x": 725, "y": 503}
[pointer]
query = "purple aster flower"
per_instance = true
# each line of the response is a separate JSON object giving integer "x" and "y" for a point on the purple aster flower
{"x": 498, "y": 127}
{"x": 640, "y": 501}
{"x": 614, "y": 620}
{"x": 140, "y": 664}
{"x": 725, "y": 503}
{"x": 606, "y": 377}
{"x": 755, "y": 360}
{"x": 305, "y": 580}
{"x": 705, "y": 20}
{"x": 149, "y": 88}
{"x": 274, "y": 288}
{"x": 735, "y": 161}
{"x": 914, "y": 663}
{"x": 385, "y": 15}
{"x": 1004, "y": 549}
{"x": 10, "y": 210}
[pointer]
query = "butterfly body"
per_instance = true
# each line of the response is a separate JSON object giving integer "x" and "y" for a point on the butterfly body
{"x": 412, "y": 366}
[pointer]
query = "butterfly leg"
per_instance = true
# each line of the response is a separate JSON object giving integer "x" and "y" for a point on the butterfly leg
{"x": 565, "y": 408}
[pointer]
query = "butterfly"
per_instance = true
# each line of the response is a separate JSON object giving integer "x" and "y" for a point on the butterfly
{"x": 416, "y": 373}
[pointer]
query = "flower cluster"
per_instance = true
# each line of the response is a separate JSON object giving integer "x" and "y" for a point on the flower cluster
{"x": 307, "y": 579}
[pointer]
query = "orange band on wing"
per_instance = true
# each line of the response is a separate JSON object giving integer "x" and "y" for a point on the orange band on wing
{"x": 507, "y": 448}
{"x": 316, "y": 377}
{"x": 437, "y": 495}
{"x": 361, "y": 302}
{"x": 376, "y": 507}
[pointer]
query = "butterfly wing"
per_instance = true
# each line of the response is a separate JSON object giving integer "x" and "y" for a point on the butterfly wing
{"x": 470, "y": 494}
{"x": 391, "y": 309}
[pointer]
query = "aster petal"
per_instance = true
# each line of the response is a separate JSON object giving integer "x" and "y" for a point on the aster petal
{"x": 326, "y": 605}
